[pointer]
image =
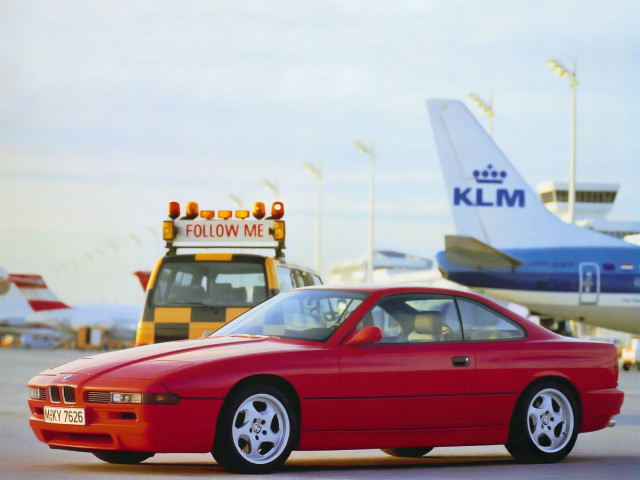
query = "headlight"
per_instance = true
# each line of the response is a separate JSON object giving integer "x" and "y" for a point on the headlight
{"x": 117, "y": 397}
{"x": 34, "y": 393}
{"x": 148, "y": 398}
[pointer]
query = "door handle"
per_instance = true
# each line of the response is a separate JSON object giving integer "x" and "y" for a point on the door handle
{"x": 460, "y": 361}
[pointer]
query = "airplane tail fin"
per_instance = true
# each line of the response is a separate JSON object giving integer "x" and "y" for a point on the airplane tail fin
{"x": 35, "y": 291}
{"x": 491, "y": 202}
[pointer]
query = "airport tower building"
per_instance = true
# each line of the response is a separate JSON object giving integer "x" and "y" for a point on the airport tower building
{"x": 593, "y": 202}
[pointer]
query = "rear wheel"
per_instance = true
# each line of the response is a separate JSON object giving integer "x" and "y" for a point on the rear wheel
{"x": 413, "y": 452}
{"x": 545, "y": 424}
{"x": 257, "y": 430}
{"x": 127, "y": 458}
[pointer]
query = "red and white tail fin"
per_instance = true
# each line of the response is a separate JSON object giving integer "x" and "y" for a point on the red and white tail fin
{"x": 35, "y": 291}
{"x": 143, "y": 277}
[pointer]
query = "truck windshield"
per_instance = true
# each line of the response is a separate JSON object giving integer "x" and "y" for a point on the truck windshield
{"x": 211, "y": 284}
{"x": 303, "y": 314}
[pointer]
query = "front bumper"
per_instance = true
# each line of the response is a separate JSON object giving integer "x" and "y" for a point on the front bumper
{"x": 188, "y": 426}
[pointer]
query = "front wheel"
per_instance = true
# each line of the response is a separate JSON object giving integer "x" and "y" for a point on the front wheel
{"x": 125, "y": 458}
{"x": 257, "y": 430}
{"x": 545, "y": 424}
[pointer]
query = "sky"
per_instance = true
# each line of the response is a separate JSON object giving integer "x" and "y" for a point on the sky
{"x": 111, "y": 109}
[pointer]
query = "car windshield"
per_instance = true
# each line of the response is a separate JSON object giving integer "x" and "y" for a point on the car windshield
{"x": 299, "y": 314}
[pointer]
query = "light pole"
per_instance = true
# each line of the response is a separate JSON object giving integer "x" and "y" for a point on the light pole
{"x": 561, "y": 71}
{"x": 486, "y": 108}
{"x": 135, "y": 239}
{"x": 364, "y": 149}
{"x": 74, "y": 265}
{"x": 90, "y": 281}
{"x": 114, "y": 247}
{"x": 271, "y": 186}
{"x": 317, "y": 171}
{"x": 237, "y": 201}
{"x": 154, "y": 242}
{"x": 103, "y": 273}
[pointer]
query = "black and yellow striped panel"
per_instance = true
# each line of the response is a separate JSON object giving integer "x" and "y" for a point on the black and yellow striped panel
{"x": 163, "y": 324}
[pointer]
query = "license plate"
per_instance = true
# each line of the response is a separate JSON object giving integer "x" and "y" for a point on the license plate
{"x": 66, "y": 416}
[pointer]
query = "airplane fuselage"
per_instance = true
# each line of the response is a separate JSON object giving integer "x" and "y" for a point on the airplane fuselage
{"x": 600, "y": 286}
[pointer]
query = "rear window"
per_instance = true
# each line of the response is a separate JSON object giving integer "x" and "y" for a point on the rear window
{"x": 480, "y": 322}
{"x": 210, "y": 283}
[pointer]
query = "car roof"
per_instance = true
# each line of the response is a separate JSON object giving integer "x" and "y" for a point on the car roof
{"x": 391, "y": 289}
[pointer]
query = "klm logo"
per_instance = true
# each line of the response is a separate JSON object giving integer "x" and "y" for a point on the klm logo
{"x": 478, "y": 197}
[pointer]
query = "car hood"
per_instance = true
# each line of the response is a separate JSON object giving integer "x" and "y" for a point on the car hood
{"x": 141, "y": 362}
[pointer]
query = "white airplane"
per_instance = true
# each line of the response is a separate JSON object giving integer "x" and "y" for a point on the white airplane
{"x": 509, "y": 246}
{"x": 30, "y": 310}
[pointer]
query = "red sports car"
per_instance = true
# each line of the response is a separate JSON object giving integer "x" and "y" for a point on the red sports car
{"x": 397, "y": 368}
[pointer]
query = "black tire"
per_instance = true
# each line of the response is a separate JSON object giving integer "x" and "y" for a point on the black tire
{"x": 545, "y": 424}
{"x": 412, "y": 452}
{"x": 124, "y": 458}
{"x": 256, "y": 430}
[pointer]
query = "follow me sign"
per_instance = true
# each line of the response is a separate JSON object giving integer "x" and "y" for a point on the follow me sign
{"x": 475, "y": 197}
{"x": 214, "y": 231}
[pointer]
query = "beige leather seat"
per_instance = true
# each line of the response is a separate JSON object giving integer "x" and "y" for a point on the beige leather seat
{"x": 427, "y": 327}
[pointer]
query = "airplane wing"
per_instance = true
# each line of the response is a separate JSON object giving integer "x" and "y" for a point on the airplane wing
{"x": 464, "y": 250}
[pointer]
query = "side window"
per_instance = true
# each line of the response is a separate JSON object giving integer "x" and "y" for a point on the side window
{"x": 308, "y": 279}
{"x": 391, "y": 330}
{"x": 416, "y": 318}
{"x": 480, "y": 322}
{"x": 298, "y": 278}
{"x": 285, "y": 278}
{"x": 290, "y": 278}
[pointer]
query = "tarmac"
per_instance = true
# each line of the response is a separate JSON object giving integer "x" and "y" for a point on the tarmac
{"x": 612, "y": 453}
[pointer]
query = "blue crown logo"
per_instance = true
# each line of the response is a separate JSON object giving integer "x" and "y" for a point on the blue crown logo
{"x": 489, "y": 175}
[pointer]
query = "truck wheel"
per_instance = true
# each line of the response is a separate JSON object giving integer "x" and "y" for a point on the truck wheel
{"x": 257, "y": 430}
{"x": 545, "y": 424}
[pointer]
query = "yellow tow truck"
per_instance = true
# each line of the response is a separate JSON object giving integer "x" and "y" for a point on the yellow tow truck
{"x": 194, "y": 293}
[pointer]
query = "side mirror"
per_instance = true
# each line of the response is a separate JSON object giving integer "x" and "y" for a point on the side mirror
{"x": 366, "y": 336}
{"x": 206, "y": 333}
